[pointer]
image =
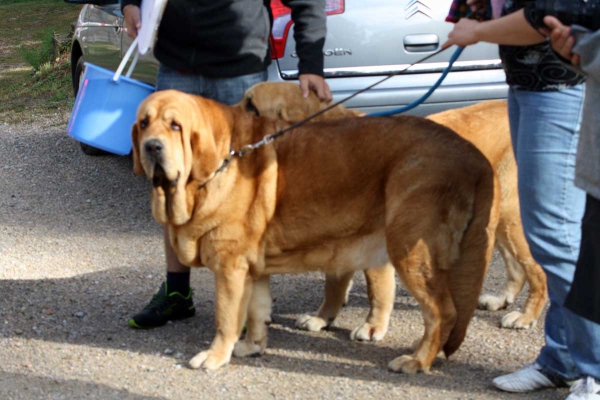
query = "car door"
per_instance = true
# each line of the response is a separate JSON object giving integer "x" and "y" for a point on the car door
{"x": 368, "y": 39}
{"x": 103, "y": 27}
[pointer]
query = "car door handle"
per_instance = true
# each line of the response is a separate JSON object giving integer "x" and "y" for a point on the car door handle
{"x": 421, "y": 43}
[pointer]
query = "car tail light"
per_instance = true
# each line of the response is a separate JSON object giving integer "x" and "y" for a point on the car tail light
{"x": 282, "y": 21}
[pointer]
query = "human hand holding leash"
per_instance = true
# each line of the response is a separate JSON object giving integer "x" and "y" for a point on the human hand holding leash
{"x": 464, "y": 33}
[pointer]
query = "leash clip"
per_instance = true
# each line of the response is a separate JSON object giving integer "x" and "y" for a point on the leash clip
{"x": 268, "y": 139}
{"x": 249, "y": 148}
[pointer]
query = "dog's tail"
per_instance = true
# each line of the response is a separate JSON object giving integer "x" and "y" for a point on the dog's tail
{"x": 467, "y": 274}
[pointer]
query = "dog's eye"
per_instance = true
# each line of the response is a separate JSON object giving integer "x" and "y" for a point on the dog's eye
{"x": 144, "y": 123}
{"x": 175, "y": 126}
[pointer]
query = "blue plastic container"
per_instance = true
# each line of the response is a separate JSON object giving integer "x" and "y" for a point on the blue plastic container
{"x": 105, "y": 110}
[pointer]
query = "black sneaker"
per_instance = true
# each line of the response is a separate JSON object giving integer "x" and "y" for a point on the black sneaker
{"x": 164, "y": 307}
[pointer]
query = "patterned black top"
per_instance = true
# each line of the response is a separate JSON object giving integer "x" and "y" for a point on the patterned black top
{"x": 535, "y": 68}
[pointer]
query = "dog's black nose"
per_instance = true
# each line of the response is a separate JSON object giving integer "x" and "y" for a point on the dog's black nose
{"x": 153, "y": 147}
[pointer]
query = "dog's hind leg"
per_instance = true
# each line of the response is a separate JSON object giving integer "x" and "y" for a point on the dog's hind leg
{"x": 520, "y": 266}
{"x": 515, "y": 280}
{"x": 514, "y": 249}
{"x": 429, "y": 285}
{"x": 381, "y": 288}
{"x": 336, "y": 289}
{"x": 259, "y": 314}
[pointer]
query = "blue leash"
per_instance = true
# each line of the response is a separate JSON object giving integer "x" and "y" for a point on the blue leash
{"x": 478, "y": 15}
{"x": 426, "y": 95}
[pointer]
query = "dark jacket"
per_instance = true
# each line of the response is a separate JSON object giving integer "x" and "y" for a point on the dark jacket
{"x": 228, "y": 38}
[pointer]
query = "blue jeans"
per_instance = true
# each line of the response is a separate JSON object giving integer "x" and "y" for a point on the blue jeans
{"x": 224, "y": 90}
{"x": 545, "y": 131}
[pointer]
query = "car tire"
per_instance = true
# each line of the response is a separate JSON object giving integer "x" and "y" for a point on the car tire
{"x": 77, "y": 75}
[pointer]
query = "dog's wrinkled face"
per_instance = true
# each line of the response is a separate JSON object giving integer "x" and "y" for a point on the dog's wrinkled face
{"x": 159, "y": 137}
{"x": 173, "y": 141}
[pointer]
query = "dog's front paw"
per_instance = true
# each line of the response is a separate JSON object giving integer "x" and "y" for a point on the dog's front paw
{"x": 311, "y": 323}
{"x": 368, "y": 333}
{"x": 407, "y": 364}
{"x": 245, "y": 348}
{"x": 209, "y": 360}
{"x": 492, "y": 303}
{"x": 518, "y": 320}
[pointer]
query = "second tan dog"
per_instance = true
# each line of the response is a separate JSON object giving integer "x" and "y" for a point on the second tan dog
{"x": 486, "y": 126}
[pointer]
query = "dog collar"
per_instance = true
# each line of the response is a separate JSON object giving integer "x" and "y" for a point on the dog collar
{"x": 224, "y": 165}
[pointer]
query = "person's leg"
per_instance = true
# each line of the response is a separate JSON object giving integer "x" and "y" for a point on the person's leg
{"x": 168, "y": 78}
{"x": 584, "y": 297}
{"x": 545, "y": 130}
{"x": 225, "y": 90}
{"x": 173, "y": 300}
{"x": 582, "y": 308}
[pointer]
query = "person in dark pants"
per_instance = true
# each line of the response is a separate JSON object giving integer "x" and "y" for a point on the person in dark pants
{"x": 581, "y": 48}
{"x": 218, "y": 50}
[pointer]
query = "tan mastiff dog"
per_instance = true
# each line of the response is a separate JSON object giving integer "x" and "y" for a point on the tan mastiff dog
{"x": 336, "y": 196}
{"x": 486, "y": 126}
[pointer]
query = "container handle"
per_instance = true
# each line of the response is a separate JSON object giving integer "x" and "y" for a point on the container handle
{"x": 132, "y": 47}
{"x": 133, "y": 64}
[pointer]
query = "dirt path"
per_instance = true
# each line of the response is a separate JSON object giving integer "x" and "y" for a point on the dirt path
{"x": 80, "y": 252}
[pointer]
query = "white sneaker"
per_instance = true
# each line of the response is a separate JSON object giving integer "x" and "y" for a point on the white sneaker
{"x": 585, "y": 389}
{"x": 525, "y": 380}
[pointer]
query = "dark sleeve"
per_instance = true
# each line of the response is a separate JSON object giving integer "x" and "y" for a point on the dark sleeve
{"x": 534, "y": 17}
{"x": 129, "y": 2}
{"x": 309, "y": 33}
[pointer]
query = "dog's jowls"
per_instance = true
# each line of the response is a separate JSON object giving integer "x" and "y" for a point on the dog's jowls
{"x": 486, "y": 126}
{"x": 336, "y": 196}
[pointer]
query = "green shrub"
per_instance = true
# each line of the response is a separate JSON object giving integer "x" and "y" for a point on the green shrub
{"x": 40, "y": 54}
{"x": 43, "y": 71}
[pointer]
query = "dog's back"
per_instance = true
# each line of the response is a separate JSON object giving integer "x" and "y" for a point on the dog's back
{"x": 349, "y": 189}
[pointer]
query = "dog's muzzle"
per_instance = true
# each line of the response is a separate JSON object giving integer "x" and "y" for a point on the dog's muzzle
{"x": 154, "y": 149}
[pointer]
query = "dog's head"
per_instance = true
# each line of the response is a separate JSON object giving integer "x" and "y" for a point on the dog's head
{"x": 284, "y": 100}
{"x": 174, "y": 141}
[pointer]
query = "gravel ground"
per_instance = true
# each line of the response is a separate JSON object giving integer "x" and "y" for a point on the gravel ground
{"x": 80, "y": 253}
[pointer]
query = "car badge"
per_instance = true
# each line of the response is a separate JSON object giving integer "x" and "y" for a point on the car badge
{"x": 415, "y": 7}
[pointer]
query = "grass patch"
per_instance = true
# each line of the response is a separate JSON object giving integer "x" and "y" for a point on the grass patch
{"x": 31, "y": 81}
{"x": 8, "y": 2}
{"x": 39, "y": 54}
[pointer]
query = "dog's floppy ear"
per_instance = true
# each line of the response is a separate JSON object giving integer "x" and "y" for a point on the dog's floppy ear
{"x": 249, "y": 104}
{"x": 294, "y": 107}
{"x": 292, "y": 113}
{"x": 137, "y": 164}
{"x": 204, "y": 155}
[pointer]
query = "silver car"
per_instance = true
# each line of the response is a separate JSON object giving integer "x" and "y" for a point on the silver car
{"x": 366, "y": 40}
